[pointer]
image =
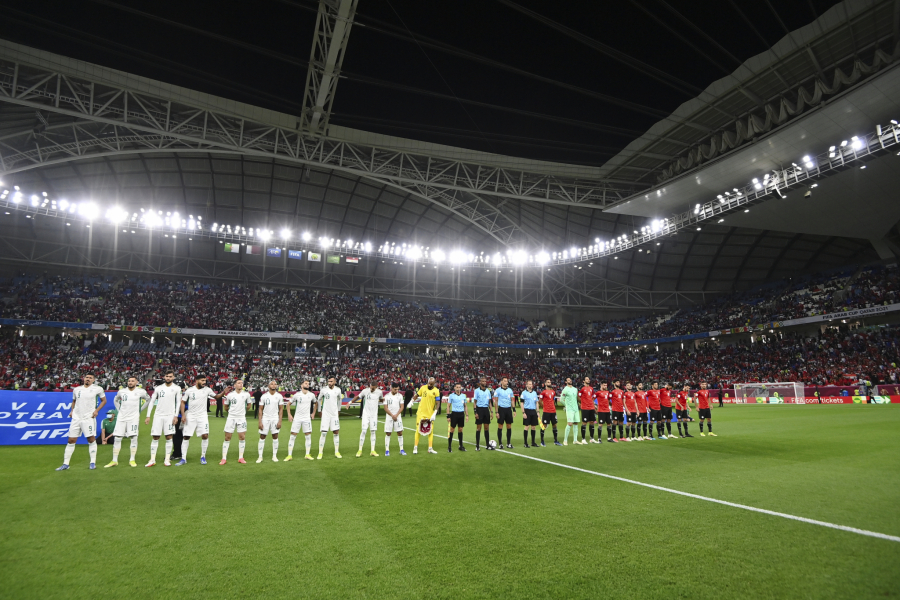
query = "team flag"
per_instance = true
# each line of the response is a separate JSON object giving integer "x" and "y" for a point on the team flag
{"x": 333, "y": 259}
{"x": 254, "y": 249}
{"x": 314, "y": 257}
{"x": 353, "y": 260}
{"x": 273, "y": 251}
{"x": 295, "y": 253}
{"x": 235, "y": 248}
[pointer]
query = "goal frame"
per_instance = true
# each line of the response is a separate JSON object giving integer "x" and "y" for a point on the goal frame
{"x": 778, "y": 392}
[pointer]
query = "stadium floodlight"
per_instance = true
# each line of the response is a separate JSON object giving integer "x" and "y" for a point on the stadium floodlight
{"x": 438, "y": 255}
{"x": 306, "y": 236}
{"x": 844, "y": 144}
{"x": 518, "y": 257}
{"x": 286, "y": 234}
{"x": 414, "y": 253}
{"x": 543, "y": 258}
{"x": 857, "y": 143}
{"x": 696, "y": 209}
{"x": 88, "y": 210}
{"x": 368, "y": 247}
{"x": 116, "y": 214}
{"x": 34, "y": 200}
{"x": 574, "y": 251}
{"x": 497, "y": 258}
{"x": 262, "y": 234}
{"x": 457, "y": 257}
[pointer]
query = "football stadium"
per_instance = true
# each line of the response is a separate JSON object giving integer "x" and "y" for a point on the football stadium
{"x": 316, "y": 298}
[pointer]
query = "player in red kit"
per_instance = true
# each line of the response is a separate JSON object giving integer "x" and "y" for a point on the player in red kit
{"x": 631, "y": 409}
{"x": 704, "y": 410}
{"x": 653, "y": 405}
{"x": 603, "y": 415}
{"x": 548, "y": 415}
{"x": 641, "y": 396}
{"x": 681, "y": 413}
{"x": 617, "y": 397}
{"x": 588, "y": 412}
{"x": 665, "y": 408}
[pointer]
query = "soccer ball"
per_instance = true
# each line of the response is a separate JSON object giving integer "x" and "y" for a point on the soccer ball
{"x": 492, "y": 445}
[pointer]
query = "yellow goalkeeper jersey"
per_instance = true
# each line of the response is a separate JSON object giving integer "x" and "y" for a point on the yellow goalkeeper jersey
{"x": 427, "y": 400}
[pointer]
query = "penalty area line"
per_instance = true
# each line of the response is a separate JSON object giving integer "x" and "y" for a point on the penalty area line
{"x": 773, "y": 513}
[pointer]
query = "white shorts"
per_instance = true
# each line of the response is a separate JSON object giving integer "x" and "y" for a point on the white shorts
{"x": 196, "y": 425}
{"x": 391, "y": 425}
{"x": 305, "y": 424}
{"x": 233, "y": 424}
{"x": 162, "y": 425}
{"x": 87, "y": 427}
{"x": 369, "y": 422}
{"x": 269, "y": 426}
{"x": 126, "y": 427}
{"x": 330, "y": 423}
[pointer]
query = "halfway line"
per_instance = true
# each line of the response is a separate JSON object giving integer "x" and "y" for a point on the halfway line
{"x": 866, "y": 532}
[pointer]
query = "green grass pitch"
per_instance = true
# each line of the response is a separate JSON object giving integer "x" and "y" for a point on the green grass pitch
{"x": 471, "y": 525}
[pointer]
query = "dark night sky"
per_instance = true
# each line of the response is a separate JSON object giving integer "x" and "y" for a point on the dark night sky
{"x": 94, "y": 31}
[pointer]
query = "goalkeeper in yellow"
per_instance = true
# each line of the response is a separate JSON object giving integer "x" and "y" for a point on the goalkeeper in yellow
{"x": 428, "y": 395}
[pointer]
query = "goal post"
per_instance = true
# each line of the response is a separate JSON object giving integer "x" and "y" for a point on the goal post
{"x": 790, "y": 392}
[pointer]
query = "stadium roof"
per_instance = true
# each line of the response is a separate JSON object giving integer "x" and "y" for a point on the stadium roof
{"x": 84, "y": 155}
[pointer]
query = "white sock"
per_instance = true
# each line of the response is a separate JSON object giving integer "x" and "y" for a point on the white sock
{"x": 241, "y": 444}
{"x": 308, "y": 443}
{"x": 67, "y": 455}
{"x": 291, "y": 441}
{"x": 274, "y": 448}
{"x": 225, "y": 445}
{"x": 337, "y": 442}
{"x": 153, "y": 446}
{"x": 204, "y": 444}
{"x": 400, "y": 441}
{"x": 133, "y": 448}
{"x": 117, "y": 447}
{"x": 261, "y": 446}
{"x": 322, "y": 442}
{"x": 362, "y": 438}
{"x": 387, "y": 443}
{"x": 372, "y": 439}
{"x": 92, "y": 450}
{"x": 169, "y": 446}
{"x": 184, "y": 448}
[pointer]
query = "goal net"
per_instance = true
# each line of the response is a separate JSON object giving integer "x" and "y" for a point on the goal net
{"x": 769, "y": 393}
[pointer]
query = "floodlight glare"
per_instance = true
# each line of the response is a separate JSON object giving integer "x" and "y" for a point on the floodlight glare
{"x": 438, "y": 255}
{"x": 543, "y": 258}
{"x": 285, "y": 233}
{"x": 306, "y": 236}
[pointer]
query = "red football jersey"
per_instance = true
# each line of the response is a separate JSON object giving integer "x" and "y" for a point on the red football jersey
{"x": 617, "y": 396}
{"x": 653, "y": 399}
{"x": 664, "y": 399}
{"x": 681, "y": 400}
{"x": 630, "y": 402}
{"x": 548, "y": 398}
{"x": 586, "y": 397}
{"x": 602, "y": 401}
{"x": 703, "y": 399}
{"x": 641, "y": 397}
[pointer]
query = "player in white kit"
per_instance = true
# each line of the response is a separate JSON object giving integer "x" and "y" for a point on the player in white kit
{"x": 87, "y": 400}
{"x": 270, "y": 414}
{"x": 302, "y": 418}
{"x": 330, "y": 402}
{"x": 393, "y": 409}
{"x": 196, "y": 420}
{"x": 167, "y": 400}
{"x": 237, "y": 403}
{"x": 371, "y": 399}
{"x": 129, "y": 401}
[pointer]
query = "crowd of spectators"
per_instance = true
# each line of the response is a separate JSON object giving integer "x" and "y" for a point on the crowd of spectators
{"x": 192, "y": 304}
{"x": 832, "y": 358}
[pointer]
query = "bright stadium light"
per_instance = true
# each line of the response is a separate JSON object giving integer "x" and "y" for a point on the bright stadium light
{"x": 89, "y": 211}
{"x": 543, "y": 258}
{"x": 518, "y": 257}
{"x": 857, "y": 143}
{"x": 457, "y": 257}
{"x": 368, "y": 247}
{"x": 413, "y": 253}
{"x": 262, "y": 234}
{"x": 151, "y": 220}
{"x": 116, "y": 214}
{"x": 438, "y": 255}
{"x": 285, "y": 234}
{"x": 306, "y": 236}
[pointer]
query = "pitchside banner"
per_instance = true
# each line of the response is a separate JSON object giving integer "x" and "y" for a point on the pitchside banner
{"x": 33, "y": 418}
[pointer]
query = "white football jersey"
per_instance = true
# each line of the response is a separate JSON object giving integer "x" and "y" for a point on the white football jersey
{"x": 304, "y": 402}
{"x": 237, "y": 403}
{"x": 393, "y": 402}
{"x": 330, "y": 401}
{"x": 270, "y": 403}
{"x": 129, "y": 402}
{"x": 196, "y": 400}
{"x": 86, "y": 399}
{"x": 370, "y": 400}
{"x": 167, "y": 399}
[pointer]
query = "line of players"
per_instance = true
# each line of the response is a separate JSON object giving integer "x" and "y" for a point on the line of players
{"x": 634, "y": 411}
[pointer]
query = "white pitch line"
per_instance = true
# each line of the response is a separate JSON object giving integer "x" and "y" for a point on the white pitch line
{"x": 866, "y": 532}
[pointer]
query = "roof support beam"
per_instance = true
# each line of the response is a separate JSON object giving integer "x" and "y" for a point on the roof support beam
{"x": 333, "y": 25}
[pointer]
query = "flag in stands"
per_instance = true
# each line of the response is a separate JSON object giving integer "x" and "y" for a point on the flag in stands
{"x": 254, "y": 249}
{"x": 315, "y": 257}
{"x": 235, "y": 248}
{"x": 353, "y": 260}
{"x": 334, "y": 259}
{"x": 273, "y": 251}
